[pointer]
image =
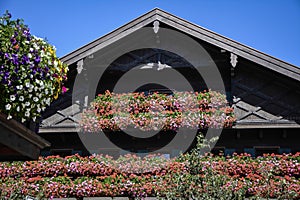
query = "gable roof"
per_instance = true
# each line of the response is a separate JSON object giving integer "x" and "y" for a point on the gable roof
{"x": 189, "y": 28}
{"x": 66, "y": 118}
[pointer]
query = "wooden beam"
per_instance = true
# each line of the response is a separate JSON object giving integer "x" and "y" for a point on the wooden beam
{"x": 17, "y": 137}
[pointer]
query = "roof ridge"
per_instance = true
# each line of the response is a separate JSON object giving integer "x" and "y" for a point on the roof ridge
{"x": 201, "y": 33}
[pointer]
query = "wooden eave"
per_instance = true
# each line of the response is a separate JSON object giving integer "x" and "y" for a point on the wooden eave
{"x": 191, "y": 29}
{"x": 22, "y": 140}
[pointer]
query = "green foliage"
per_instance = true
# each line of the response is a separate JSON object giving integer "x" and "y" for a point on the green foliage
{"x": 31, "y": 75}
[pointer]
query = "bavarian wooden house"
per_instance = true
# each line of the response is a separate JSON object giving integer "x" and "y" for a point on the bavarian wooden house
{"x": 264, "y": 91}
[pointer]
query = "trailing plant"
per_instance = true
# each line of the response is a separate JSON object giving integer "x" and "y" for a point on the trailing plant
{"x": 31, "y": 75}
{"x": 116, "y": 112}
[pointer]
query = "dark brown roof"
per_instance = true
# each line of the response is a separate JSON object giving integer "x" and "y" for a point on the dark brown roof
{"x": 190, "y": 29}
{"x": 65, "y": 118}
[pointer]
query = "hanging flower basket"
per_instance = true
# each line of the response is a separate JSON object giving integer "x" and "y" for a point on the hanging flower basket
{"x": 31, "y": 75}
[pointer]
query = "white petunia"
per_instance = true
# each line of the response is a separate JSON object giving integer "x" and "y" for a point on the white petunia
{"x": 27, "y": 103}
{"x": 23, "y": 120}
{"x": 12, "y": 97}
{"x": 34, "y": 118}
{"x": 9, "y": 117}
{"x": 35, "y": 99}
{"x": 18, "y": 109}
{"x": 21, "y": 98}
{"x": 27, "y": 84}
{"x": 38, "y": 109}
{"x": 27, "y": 114}
{"x": 48, "y": 101}
{"x": 35, "y": 45}
{"x": 7, "y": 106}
{"x": 19, "y": 87}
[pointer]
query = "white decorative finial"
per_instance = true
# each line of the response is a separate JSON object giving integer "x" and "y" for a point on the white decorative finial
{"x": 156, "y": 26}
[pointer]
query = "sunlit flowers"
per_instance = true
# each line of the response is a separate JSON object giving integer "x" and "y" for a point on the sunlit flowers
{"x": 31, "y": 75}
{"x": 236, "y": 177}
{"x": 116, "y": 112}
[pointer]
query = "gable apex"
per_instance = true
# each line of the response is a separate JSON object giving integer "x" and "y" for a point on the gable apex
{"x": 190, "y": 29}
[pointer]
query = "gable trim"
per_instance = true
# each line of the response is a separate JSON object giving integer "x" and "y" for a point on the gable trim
{"x": 191, "y": 29}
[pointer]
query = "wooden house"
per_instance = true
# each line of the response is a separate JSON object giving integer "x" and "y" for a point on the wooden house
{"x": 264, "y": 91}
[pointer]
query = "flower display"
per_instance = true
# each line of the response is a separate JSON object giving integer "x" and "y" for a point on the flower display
{"x": 31, "y": 75}
{"x": 116, "y": 112}
{"x": 236, "y": 177}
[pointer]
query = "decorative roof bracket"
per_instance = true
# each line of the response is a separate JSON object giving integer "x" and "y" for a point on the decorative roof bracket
{"x": 79, "y": 66}
{"x": 155, "y": 26}
{"x": 233, "y": 60}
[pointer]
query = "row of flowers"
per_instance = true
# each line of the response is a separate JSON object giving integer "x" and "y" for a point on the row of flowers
{"x": 98, "y": 165}
{"x": 239, "y": 176}
{"x": 31, "y": 75}
{"x": 110, "y": 111}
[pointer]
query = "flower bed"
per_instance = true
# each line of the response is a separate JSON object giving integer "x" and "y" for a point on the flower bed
{"x": 116, "y": 112}
{"x": 239, "y": 176}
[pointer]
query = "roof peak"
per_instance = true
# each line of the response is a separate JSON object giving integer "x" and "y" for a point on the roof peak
{"x": 191, "y": 29}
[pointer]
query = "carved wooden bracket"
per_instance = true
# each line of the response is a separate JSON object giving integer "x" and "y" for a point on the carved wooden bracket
{"x": 156, "y": 26}
{"x": 233, "y": 60}
{"x": 79, "y": 66}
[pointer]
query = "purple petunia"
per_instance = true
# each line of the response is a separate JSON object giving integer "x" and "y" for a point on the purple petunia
{"x": 46, "y": 69}
{"x": 7, "y": 56}
{"x": 37, "y": 60}
{"x": 13, "y": 40}
{"x": 26, "y": 33}
{"x": 25, "y": 59}
{"x": 6, "y": 77}
{"x": 15, "y": 59}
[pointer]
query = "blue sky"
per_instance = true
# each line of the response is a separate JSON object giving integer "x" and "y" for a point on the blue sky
{"x": 270, "y": 26}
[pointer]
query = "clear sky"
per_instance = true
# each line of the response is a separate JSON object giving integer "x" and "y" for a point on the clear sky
{"x": 270, "y": 26}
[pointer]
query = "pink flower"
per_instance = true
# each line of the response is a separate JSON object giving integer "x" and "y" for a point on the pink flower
{"x": 64, "y": 89}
